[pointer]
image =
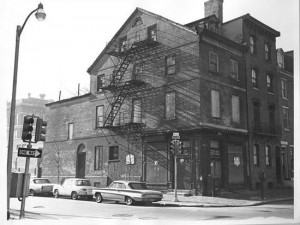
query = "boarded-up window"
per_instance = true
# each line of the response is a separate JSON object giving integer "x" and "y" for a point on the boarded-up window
{"x": 234, "y": 71}
{"x": 170, "y": 105}
{"x": 70, "y": 131}
{"x": 213, "y": 62}
{"x": 235, "y": 108}
{"x": 100, "y": 116}
{"x": 215, "y": 103}
{"x": 137, "y": 110}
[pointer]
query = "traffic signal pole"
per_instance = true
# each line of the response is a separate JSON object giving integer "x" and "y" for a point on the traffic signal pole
{"x": 25, "y": 184}
{"x": 175, "y": 182}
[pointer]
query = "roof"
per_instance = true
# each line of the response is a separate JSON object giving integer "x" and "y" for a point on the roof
{"x": 257, "y": 22}
{"x": 68, "y": 99}
{"x": 123, "y": 26}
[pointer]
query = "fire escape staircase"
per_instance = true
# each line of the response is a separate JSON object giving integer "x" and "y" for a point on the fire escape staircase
{"x": 119, "y": 89}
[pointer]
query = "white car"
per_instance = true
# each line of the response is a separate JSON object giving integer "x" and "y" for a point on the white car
{"x": 40, "y": 186}
{"x": 127, "y": 191}
{"x": 74, "y": 188}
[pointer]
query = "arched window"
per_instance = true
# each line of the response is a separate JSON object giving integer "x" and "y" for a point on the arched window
{"x": 138, "y": 21}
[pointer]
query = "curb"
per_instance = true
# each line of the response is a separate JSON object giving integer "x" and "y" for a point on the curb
{"x": 186, "y": 204}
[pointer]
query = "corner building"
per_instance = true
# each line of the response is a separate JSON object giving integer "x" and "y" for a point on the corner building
{"x": 156, "y": 77}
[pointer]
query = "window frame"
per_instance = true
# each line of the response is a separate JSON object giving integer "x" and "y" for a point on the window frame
{"x": 236, "y": 108}
{"x": 252, "y": 40}
{"x": 139, "y": 114}
{"x": 284, "y": 93}
{"x": 70, "y": 131}
{"x": 151, "y": 36}
{"x": 270, "y": 83}
{"x": 98, "y": 161}
{"x": 98, "y": 116}
{"x": 256, "y": 155}
{"x": 112, "y": 151}
{"x": 100, "y": 82}
{"x": 170, "y": 69}
{"x": 234, "y": 65}
{"x": 215, "y": 108}
{"x": 170, "y": 113}
{"x": 212, "y": 65}
{"x": 123, "y": 44}
{"x": 254, "y": 79}
{"x": 267, "y": 47}
{"x": 285, "y": 118}
{"x": 268, "y": 154}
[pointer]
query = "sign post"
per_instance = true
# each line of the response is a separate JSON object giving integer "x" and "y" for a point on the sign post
{"x": 175, "y": 138}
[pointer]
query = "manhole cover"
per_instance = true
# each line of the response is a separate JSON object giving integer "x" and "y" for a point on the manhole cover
{"x": 148, "y": 218}
{"x": 122, "y": 215}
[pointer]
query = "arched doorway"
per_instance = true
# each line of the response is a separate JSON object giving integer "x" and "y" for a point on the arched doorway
{"x": 80, "y": 161}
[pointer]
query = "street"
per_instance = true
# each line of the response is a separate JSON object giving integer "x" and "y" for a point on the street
{"x": 40, "y": 209}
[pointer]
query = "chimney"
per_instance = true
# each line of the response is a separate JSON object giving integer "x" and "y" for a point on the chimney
{"x": 214, "y": 7}
{"x": 42, "y": 96}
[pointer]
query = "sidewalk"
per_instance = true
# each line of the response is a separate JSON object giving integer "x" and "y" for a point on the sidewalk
{"x": 237, "y": 198}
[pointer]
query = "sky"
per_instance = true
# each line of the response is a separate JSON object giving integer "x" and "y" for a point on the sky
{"x": 56, "y": 53}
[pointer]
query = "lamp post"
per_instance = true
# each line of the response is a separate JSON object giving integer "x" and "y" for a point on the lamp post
{"x": 40, "y": 15}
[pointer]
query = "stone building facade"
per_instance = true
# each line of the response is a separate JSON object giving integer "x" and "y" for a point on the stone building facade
{"x": 156, "y": 77}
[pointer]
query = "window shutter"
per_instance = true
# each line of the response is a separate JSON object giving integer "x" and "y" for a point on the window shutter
{"x": 215, "y": 103}
{"x": 235, "y": 108}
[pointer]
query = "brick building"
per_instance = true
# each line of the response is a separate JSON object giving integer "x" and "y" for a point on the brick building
{"x": 26, "y": 106}
{"x": 156, "y": 77}
{"x": 285, "y": 62}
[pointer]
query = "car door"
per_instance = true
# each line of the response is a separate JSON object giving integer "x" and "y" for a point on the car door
{"x": 120, "y": 195}
{"x": 108, "y": 193}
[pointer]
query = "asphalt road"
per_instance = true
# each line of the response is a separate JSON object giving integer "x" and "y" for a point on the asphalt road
{"x": 38, "y": 210}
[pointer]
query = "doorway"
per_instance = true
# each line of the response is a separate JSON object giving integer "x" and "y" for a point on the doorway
{"x": 80, "y": 162}
{"x": 278, "y": 164}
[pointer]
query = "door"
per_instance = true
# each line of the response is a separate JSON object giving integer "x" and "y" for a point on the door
{"x": 235, "y": 164}
{"x": 278, "y": 164}
{"x": 81, "y": 158}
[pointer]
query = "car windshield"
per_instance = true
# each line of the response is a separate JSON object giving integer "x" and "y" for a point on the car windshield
{"x": 82, "y": 183}
{"x": 41, "y": 181}
{"x": 139, "y": 186}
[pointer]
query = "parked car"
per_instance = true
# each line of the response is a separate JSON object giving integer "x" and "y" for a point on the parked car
{"x": 128, "y": 192}
{"x": 74, "y": 188}
{"x": 40, "y": 186}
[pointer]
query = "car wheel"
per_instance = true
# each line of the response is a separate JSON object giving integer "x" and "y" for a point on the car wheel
{"x": 129, "y": 201}
{"x": 74, "y": 195}
{"x": 99, "y": 198}
{"x": 56, "y": 193}
{"x": 31, "y": 192}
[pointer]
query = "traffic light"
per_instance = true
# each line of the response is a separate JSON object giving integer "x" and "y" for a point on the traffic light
{"x": 40, "y": 130}
{"x": 27, "y": 128}
{"x": 181, "y": 151}
{"x": 172, "y": 147}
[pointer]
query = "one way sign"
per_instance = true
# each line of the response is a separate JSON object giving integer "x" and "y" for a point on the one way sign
{"x": 32, "y": 153}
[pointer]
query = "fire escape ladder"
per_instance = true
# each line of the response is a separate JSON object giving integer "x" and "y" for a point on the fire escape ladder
{"x": 118, "y": 99}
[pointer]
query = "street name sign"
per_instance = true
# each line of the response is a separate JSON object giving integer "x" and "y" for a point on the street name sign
{"x": 32, "y": 153}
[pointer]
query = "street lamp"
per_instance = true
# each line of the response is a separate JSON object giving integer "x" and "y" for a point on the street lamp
{"x": 40, "y": 15}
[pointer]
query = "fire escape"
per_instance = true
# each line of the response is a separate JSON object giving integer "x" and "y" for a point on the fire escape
{"x": 120, "y": 87}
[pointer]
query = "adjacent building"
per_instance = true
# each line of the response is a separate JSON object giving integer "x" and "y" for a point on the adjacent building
{"x": 214, "y": 83}
{"x": 24, "y": 107}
